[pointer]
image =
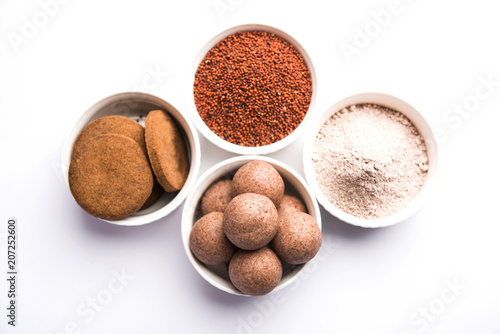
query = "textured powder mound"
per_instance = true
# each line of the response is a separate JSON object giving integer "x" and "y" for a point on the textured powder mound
{"x": 369, "y": 161}
{"x": 208, "y": 242}
{"x": 108, "y": 125}
{"x": 298, "y": 238}
{"x": 255, "y": 273}
{"x": 111, "y": 178}
{"x": 259, "y": 177}
{"x": 250, "y": 221}
{"x": 291, "y": 204}
{"x": 217, "y": 197}
{"x": 167, "y": 150}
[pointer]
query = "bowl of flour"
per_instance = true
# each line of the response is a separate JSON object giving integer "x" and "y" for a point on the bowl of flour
{"x": 371, "y": 160}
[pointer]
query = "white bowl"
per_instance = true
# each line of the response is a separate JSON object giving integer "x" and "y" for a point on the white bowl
{"x": 294, "y": 185}
{"x": 205, "y": 130}
{"x": 422, "y": 126}
{"x": 136, "y": 106}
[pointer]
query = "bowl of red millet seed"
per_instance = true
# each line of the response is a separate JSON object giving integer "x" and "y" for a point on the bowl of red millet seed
{"x": 371, "y": 160}
{"x": 250, "y": 89}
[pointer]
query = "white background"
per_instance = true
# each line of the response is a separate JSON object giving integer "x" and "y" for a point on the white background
{"x": 432, "y": 54}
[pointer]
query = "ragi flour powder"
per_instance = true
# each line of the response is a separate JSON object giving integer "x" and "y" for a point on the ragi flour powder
{"x": 369, "y": 161}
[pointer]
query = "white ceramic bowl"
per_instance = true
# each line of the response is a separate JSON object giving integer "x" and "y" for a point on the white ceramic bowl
{"x": 422, "y": 126}
{"x": 294, "y": 185}
{"x": 205, "y": 130}
{"x": 136, "y": 106}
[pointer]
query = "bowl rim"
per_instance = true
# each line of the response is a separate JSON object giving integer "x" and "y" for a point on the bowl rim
{"x": 417, "y": 119}
{"x": 205, "y": 130}
{"x": 227, "y": 166}
{"x": 186, "y": 127}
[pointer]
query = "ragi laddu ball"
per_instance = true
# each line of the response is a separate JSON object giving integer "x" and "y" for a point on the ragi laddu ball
{"x": 256, "y": 272}
{"x": 291, "y": 204}
{"x": 259, "y": 177}
{"x": 217, "y": 197}
{"x": 298, "y": 238}
{"x": 250, "y": 221}
{"x": 208, "y": 242}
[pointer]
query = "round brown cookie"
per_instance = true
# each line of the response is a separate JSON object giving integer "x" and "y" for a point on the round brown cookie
{"x": 118, "y": 125}
{"x": 111, "y": 177}
{"x": 167, "y": 150}
{"x": 156, "y": 193}
{"x": 110, "y": 124}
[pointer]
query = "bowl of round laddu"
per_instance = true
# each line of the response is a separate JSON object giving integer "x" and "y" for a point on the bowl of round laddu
{"x": 113, "y": 114}
{"x": 287, "y": 107}
{"x": 421, "y": 125}
{"x": 295, "y": 186}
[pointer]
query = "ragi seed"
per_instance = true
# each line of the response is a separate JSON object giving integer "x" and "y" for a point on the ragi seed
{"x": 253, "y": 88}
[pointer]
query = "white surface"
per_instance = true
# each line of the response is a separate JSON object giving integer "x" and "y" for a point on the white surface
{"x": 432, "y": 55}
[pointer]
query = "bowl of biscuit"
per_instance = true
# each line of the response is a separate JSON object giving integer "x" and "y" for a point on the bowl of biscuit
{"x": 130, "y": 159}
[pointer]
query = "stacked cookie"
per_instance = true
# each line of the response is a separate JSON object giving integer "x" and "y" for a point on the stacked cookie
{"x": 251, "y": 225}
{"x": 119, "y": 167}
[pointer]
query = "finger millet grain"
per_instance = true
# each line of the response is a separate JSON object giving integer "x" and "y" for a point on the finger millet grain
{"x": 253, "y": 88}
